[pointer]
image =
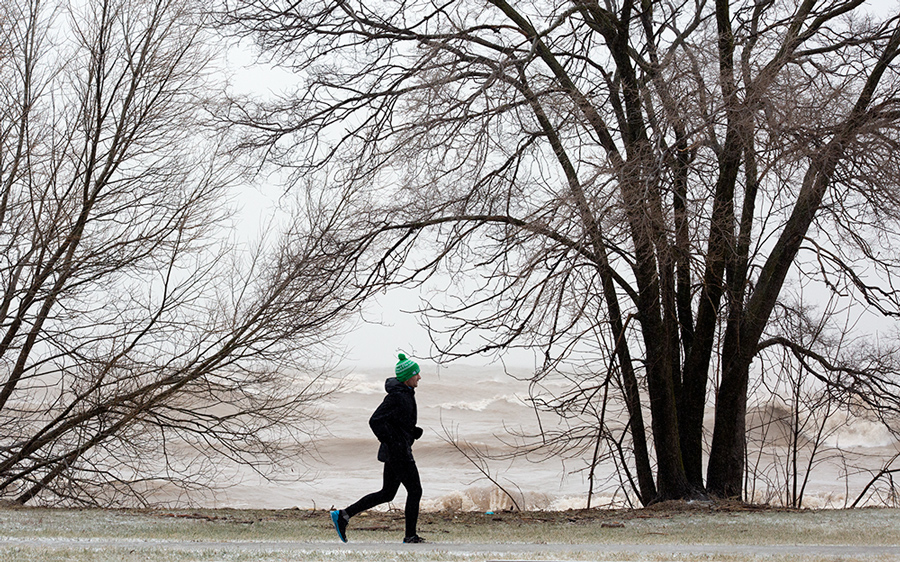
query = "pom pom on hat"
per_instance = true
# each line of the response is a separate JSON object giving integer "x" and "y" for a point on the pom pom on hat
{"x": 406, "y": 368}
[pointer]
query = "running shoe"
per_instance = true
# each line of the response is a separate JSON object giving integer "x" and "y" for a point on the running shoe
{"x": 340, "y": 519}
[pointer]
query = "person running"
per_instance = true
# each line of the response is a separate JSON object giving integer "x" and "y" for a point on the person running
{"x": 394, "y": 424}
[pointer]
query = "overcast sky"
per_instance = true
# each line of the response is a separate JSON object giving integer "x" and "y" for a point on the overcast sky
{"x": 393, "y": 327}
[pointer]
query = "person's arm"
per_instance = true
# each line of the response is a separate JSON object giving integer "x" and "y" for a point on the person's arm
{"x": 382, "y": 421}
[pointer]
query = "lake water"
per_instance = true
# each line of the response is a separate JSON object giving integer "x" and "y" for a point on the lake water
{"x": 476, "y": 404}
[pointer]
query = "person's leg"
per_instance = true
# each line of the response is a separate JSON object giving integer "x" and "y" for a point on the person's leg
{"x": 408, "y": 475}
{"x": 390, "y": 485}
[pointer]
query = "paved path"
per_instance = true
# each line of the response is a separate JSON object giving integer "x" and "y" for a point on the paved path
{"x": 504, "y": 550}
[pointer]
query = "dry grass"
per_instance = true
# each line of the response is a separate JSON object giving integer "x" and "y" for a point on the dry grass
{"x": 676, "y": 531}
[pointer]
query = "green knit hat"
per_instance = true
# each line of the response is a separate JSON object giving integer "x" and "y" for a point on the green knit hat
{"x": 406, "y": 368}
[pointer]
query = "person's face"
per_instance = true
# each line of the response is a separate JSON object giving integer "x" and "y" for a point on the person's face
{"x": 413, "y": 381}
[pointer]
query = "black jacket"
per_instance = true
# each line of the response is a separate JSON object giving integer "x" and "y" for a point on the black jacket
{"x": 394, "y": 422}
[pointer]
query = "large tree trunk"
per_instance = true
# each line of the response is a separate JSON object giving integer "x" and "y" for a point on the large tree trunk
{"x": 726, "y": 461}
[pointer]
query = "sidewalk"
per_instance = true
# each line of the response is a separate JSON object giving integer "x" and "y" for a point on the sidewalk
{"x": 477, "y": 551}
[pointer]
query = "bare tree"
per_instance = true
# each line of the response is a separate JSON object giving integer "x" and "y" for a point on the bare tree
{"x": 479, "y": 458}
{"x": 571, "y": 164}
{"x": 138, "y": 346}
{"x": 792, "y": 417}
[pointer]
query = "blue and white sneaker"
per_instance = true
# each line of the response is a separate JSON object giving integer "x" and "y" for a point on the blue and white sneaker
{"x": 340, "y": 520}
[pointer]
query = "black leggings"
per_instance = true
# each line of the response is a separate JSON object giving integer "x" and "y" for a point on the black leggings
{"x": 395, "y": 473}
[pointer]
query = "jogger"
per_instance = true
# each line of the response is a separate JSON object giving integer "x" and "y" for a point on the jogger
{"x": 394, "y": 424}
